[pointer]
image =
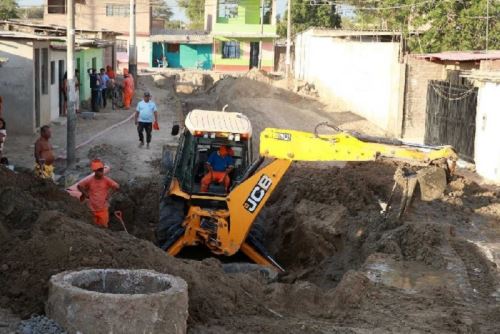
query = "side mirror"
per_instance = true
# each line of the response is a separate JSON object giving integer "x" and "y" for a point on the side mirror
{"x": 175, "y": 130}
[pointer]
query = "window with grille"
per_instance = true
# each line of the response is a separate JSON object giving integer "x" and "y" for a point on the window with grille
{"x": 52, "y": 72}
{"x": 231, "y": 49}
{"x": 45, "y": 71}
{"x": 172, "y": 48}
{"x": 228, "y": 8}
{"x": 121, "y": 45}
{"x": 117, "y": 10}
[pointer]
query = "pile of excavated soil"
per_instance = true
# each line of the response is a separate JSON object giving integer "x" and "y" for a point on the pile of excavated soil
{"x": 348, "y": 268}
{"x": 43, "y": 234}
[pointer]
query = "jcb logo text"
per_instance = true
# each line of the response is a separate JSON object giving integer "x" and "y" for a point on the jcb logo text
{"x": 258, "y": 193}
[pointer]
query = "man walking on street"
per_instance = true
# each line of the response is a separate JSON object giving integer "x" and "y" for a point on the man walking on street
{"x": 146, "y": 114}
{"x": 104, "y": 86}
{"x": 97, "y": 190}
{"x": 44, "y": 154}
{"x": 95, "y": 87}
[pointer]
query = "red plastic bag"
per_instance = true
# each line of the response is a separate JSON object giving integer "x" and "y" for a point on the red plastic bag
{"x": 156, "y": 126}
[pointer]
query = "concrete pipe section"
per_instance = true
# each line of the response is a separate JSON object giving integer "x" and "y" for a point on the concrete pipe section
{"x": 118, "y": 301}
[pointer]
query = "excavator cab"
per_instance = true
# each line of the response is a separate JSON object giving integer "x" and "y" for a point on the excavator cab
{"x": 193, "y": 154}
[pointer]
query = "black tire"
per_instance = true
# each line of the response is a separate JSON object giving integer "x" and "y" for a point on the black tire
{"x": 257, "y": 232}
{"x": 170, "y": 227}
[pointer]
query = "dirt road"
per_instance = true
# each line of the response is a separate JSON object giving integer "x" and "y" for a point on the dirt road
{"x": 349, "y": 269}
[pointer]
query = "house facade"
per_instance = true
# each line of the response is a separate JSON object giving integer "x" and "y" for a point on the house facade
{"x": 182, "y": 49}
{"x": 27, "y": 81}
{"x": 110, "y": 16}
{"x": 243, "y": 34}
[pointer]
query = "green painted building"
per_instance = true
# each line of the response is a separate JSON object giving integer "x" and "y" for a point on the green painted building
{"x": 187, "y": 51}
{"x": 88, "y": 58}
{"x": 243, "y": 34}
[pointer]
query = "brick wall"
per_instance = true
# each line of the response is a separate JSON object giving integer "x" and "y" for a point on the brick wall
{"x": 418, "y": 74}
{"x": 490, "y": 65}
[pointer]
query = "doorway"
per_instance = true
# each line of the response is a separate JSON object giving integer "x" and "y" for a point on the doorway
{"x": 37, "y": 88}
{"x": 254, "y": 54}
{"x": 60, "y": 83}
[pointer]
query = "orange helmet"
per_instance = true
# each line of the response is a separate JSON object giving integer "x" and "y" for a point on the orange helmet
{"x": 96, "y": 164}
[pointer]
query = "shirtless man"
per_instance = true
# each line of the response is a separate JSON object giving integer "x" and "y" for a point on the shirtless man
{"x": 44, "y": 154}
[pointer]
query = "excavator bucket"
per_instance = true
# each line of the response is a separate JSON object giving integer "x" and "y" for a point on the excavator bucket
{"x": 431, "y": 180}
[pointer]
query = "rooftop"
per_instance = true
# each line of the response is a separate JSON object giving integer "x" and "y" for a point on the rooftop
{"x": 349, "y": 32}
{"x": 461, "y": 55}
{"x": 218, "y": 121}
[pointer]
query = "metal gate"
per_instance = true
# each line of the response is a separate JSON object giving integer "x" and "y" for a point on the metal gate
{"x": 451, "y": 116}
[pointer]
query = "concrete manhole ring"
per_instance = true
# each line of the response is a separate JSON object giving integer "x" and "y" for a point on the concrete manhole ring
{"x": 118, "y": 301}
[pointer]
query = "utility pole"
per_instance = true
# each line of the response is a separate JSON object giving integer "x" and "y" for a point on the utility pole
{"x": 288, "y": 39}
{"x": 261, "y": 32}
{"x": 132, "y": 46}
{"x": 70, "y": 70}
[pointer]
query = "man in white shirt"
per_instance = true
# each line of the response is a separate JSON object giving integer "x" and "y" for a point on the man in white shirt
{"x": 146, "y": 114}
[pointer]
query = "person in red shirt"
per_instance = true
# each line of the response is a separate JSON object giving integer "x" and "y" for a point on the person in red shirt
{"x": 110, "y": 72}
{"x": 97, "y": 190}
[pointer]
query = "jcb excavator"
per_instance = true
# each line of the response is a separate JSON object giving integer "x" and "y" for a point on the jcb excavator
{"x": 227, "y": 221}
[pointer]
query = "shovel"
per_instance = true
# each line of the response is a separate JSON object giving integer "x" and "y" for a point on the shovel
{"x": 119, "y": 216}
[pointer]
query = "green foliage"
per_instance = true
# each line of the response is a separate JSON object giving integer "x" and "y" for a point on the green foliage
{"x": 305, "y": 15}
{"x": 441, "y": 25}
{"x": 35, "y": 12}
{"x": 175, "y": 24}
{"x": 8, "y": 9}
{"x": 162, "y": 10}
{"x": 195, "y": 10}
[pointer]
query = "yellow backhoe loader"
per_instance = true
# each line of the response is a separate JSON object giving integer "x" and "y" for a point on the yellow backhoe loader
{"x": 226, "y": 219}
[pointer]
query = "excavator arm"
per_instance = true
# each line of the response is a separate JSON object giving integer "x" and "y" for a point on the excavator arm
{"x": 285, "y": 146}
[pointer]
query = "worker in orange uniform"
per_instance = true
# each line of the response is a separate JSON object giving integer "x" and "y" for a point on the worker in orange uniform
{"x": 110, "y": 72}
{"x": 97, "y": 190}
{"x": 128, "y": 89}
{"x": 220, "y": 163}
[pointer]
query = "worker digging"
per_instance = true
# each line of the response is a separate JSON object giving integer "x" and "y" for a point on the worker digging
{"x": 96, "y": 189}
{"x": 280, "y": 218}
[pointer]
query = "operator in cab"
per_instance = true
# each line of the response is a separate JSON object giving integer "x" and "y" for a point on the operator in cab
{"x": 220, "y": 163}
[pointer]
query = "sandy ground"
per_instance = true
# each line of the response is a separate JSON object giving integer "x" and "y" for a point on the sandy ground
{"x": 349, "y": 269}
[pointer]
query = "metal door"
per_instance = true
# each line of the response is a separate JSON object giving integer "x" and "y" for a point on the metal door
{"x": 254, "y": 54}
{"x": 451, "y": 116}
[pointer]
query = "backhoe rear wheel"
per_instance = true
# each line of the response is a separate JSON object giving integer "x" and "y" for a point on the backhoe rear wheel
{"x": 170, "y": 227}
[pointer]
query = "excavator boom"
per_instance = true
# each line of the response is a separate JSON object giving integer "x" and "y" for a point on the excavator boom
{"x": 342, "y": 146}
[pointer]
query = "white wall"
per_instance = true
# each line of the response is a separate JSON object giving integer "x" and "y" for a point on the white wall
{"x": 487, "y": 147}
{"x": 17, "y": 85}
{"x": 55, "y": 88}
{"x": 363, "y": 77}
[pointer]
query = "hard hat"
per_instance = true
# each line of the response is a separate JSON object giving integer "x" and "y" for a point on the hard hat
{"x": 96, "y": 164}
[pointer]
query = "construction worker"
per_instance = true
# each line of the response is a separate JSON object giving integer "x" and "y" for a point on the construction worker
{"x": 44, "y": 154}
{"x": 220, "y": 163}
{"x": 128, "y": 89}
{"x": 97, "y": 190}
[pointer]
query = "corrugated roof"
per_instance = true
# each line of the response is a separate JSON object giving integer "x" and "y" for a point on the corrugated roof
{"x": 349, "y": 32}
{"x": 461, "y": 55}
{"x": 23, "y": 35}
{"x": 218, "y": 121}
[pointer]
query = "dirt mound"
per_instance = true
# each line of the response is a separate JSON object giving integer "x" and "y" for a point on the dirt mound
{"x": 45, "y": 232}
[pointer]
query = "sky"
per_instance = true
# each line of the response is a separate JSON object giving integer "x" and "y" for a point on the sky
{"x": 178, "y": 12}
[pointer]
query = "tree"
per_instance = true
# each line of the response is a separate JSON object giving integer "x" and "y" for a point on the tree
{"x": 8, "y": 9}
{"x": 433, "y": 26}
{"x": 310, "y": 13}
{"x": 195, "y": 11}
{"x": 35, "y": 12}
{"x": 162, "y": 10}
